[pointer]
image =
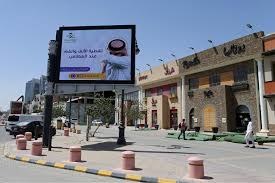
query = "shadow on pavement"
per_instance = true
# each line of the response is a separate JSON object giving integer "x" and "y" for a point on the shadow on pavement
{"x": 104, "y": 146}
{"x": 261, "y": 148}
{"x": 112, "y": 146}
{"x": 177, "y": 147}
{"x": 58, "y": 147}
{"x": 106, "y": 137}
{"x": 208, "y": 178}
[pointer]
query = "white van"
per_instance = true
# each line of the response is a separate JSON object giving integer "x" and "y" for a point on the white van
{"x": 13, "y": 119}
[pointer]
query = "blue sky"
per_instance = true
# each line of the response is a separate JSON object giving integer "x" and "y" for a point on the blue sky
{"x": 163, "y": 27}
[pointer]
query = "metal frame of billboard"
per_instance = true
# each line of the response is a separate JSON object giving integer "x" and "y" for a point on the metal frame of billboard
{"x": 78, "y": 89}
{"x": 59, "y": 40}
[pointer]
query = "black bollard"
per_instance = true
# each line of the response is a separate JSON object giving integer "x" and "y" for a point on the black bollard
{"x": 36, "y": 132}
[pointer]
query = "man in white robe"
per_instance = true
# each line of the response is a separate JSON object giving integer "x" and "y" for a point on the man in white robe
{"x": 118, "y": 65}
{"x": 249, "y": 135}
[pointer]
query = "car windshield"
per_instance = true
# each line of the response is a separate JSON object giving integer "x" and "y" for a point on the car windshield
{"x": 13, "y": 118}
{"x": 23, "y": 123}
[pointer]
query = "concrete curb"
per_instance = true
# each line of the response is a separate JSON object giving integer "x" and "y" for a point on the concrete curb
{"x": 108, "y": 173}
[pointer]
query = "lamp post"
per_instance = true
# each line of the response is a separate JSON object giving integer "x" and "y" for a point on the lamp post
{"x": 49, "y": 94}
{"x": 211, "y": 42}
{"x": 214, "y": 47}
{"x": 249, "y": 26}
{"x": 192, "y": 49}
{"x": 138, "y": 70}
{"x": 162, "y": 62}
{"x": 121, "y": 138}
{"x": 173, "y": 55}
{"x": 149, "y": 67}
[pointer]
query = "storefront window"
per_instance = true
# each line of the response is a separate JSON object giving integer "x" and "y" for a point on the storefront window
{"x": 240, "y": 74}
{"x": 148, "y": 93}
{"x": 193, "y": 83}
{"x": 214, "y": 79}
{"x": 160, "y": 91}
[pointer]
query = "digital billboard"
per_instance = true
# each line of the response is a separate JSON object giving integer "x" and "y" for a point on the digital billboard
{"x": 96, "y": 54}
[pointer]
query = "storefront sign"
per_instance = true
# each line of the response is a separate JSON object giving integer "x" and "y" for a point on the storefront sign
{"x": 234, "y": 49}
{"x": 188, "y": 64}
{"x": 168, "y": 71}
{"x": 142, "y": 78}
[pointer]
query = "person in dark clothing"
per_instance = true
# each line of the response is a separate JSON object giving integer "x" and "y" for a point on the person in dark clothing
{"x": 182, "y": 127}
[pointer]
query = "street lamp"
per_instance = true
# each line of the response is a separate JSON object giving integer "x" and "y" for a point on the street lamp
{"x": 211, "y": 42}
{"x": 249, "y": 26}
{"x": 138, "y": 70}
{"x": 214, "y": 47}
{"x": 173, "y": 55}
{"x": 192, "y": 49}
{"x": 121, "y": 138}
{"x": 137, "y": 49}
{"x": 149, "y": 67}
{"x": 162, "y": 62}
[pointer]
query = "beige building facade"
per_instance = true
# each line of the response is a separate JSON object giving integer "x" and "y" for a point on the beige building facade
{"x": 160, "y": 95}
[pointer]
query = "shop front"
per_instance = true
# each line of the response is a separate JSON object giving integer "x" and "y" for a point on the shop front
{"x": 221, "y": 86}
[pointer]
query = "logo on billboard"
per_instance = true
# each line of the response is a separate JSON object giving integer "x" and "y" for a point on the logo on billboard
{"x": 70, "y": 38}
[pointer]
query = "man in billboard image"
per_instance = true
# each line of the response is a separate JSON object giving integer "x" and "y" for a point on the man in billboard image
{"x": 118, "y": 65}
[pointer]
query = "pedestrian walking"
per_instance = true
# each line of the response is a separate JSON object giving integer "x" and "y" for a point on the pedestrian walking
{"x": 182, "y": 127}
{"x": 249, "y": 135}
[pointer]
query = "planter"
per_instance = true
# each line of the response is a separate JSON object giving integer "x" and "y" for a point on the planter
{"x": 156, "y": 127}
{"x": 215, "y": 129}
{"x": 197, "y": 128}
{"x": 175, "y": 127}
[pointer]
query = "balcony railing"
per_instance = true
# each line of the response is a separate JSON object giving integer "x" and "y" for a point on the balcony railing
{"x": 269, "y": 87}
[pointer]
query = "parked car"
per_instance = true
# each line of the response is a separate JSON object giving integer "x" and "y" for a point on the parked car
{"x": 14, "y": 119}
{"x": 29, "y": 126}
{"x": 97, "y": 122}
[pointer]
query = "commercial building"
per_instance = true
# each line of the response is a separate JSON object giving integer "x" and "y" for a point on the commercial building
{"x": 269, "y": 86}
{"x": 160, "y": 95}
{"x": 32, "y": 88}
{"x": 218, "y": 87}
{"x": 222, "y": 86}
{"x": 42, "y": 84}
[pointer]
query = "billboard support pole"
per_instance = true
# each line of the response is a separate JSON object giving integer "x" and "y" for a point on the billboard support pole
{"x": 121, "y": 139}
{"x": 49, "y": 94}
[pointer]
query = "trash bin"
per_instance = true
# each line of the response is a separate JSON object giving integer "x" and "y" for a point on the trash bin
{"x": 58, "y": 124}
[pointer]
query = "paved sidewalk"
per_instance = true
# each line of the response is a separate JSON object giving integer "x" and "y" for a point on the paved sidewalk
{"x": 157, "y": 156}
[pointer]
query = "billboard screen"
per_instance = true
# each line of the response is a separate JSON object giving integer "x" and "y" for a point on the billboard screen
{"x": 97, "y": 54}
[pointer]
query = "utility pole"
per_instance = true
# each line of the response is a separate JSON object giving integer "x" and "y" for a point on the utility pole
{"x": 49, "y": 93}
